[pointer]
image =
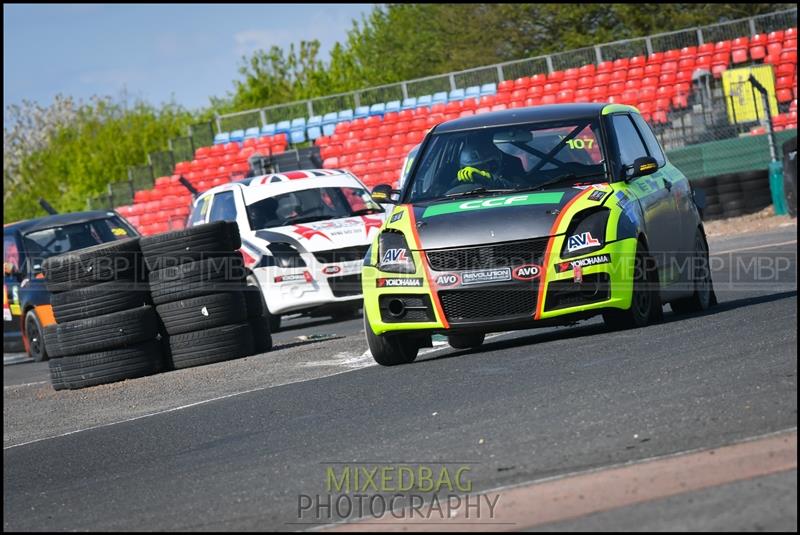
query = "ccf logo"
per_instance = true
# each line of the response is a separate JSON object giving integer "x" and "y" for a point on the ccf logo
{"x": 447, "y": 279}
{"x": 581, "y": 241}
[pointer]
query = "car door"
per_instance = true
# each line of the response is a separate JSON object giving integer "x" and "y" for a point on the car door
{"x": 678, "y": 186}
{"x": 12, "y": 269}
{"x": 661, "y": 221}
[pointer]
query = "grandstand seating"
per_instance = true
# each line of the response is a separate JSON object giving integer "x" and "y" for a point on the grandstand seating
{"x": 373, "y": 141}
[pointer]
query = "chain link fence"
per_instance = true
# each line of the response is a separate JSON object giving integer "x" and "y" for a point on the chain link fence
{"x": 160, "y": 163}
{"x": 641, "y": 46}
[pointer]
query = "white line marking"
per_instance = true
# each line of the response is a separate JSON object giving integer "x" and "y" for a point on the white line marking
{"x": 754, "y": 247}
{"x": 26, "y": 384}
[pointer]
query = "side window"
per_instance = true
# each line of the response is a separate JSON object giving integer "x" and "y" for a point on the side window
{"x": 198, "y": 216}
{"x": 223, "y": 208}
{"x": 629, "y": 143}
{"x": 10, "y": 254}
{"x": 650, "y": 140}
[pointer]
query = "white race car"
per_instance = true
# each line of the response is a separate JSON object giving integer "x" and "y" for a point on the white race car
{"x": 304, "y": 237}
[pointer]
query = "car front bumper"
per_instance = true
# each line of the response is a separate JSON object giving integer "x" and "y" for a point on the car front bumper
{"x": 559, "y": 294}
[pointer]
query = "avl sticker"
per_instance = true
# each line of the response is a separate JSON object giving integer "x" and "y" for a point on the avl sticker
{"x": 581, "y": 241}
{"x": 394, "y": 256}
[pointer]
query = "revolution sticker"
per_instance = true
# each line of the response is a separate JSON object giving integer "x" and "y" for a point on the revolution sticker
{"x": 485, "y": 276}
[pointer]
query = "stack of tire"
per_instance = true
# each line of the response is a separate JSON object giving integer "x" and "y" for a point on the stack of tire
{"x": 735, "y": 194}
{"x": 106, "y": 329}
{"x": 713, "y": 209}
{"x": 197, "y": 281}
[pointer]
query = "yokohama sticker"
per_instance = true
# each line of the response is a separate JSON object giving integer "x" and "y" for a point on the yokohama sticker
{"x": 485, "y": 276}
{"x": 398, "y": 283}
{"x": 528, "y": 272}
{"x": 583, "y": 262}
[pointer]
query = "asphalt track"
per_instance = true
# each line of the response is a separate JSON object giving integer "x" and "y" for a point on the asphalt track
{"x": 527, "y": 406}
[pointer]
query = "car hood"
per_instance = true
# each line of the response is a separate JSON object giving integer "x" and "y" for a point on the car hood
{"x": 474, "y": 220}
{"x": 321, "y": 235}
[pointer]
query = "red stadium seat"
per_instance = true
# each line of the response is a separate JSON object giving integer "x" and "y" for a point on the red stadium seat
{"x": 538, "y": 79}
{"x": 635, "y": 72}
{"x": 775, "y": 37}
{"x": 656, "y": 58}
{"x": 582, "y": 95}
{"x": 650, "y": 81}
{"x": 505, "y": 85}
{"x": 652, "y": 70}
{"x": 550, "y": 88}
{"x": 587, "y": 70}
{"x": 722, "y": 46}
{"x": 619, "y": 76}
{"x": 549, "y": 99}
{"x": 637, "y": 61}
{"x": 555, "y": 76}
{"x": 571, "y": 74}
{"x": 522, "y": 83}
{"x": 568, "y": 83}
{"x": 602, "y": 78}
{"x": 672, "y": 55}
{"x": 633, "y": 84}
{"x": 605, "y": 67}
{"x": 533, "y": 101}
{"x": 669, "y": 66}
{"x": 535, "y": 91}
{"x": 585, "y": 82}
{"x": 621, "y": 64}
{"x": 686, "y": 64}
{"x": 667, "y": 78}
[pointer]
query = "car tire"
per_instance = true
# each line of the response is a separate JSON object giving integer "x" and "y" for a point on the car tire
{"x": 98, "y": 300}
{"x": 262, "y": 335}
{"x": 106, "y": 366}
{"x": 646, "y": 305}
{"x": 193, "y": 279}
{"x": 190, "y": 244}
{"x": 466, "y": 340}
{"x": 37, "y": 345}
{"x": 114, "y": 261}
{"x": 110, "y": 331}
{"x": 202, "y": 312}
{"x": 256, "y": 306}
{"x": 390, "y": 350}
{"x": 50, "y": 333}
{"x": 703, "y": 297}
{"x": 208, "y": 346}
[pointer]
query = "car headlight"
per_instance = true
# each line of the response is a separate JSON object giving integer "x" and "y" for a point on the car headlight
{"x": 285, "y": 255}
{"x": 586, "y": 233}
{"x": 394, "y": 256}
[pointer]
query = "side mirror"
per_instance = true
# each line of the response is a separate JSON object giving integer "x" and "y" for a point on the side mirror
{"x": 382, "y": 193}
{"x": 641, "y": 167}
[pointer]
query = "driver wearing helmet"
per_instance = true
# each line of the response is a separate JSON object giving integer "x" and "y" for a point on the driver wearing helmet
{"x": 479, "y": 162}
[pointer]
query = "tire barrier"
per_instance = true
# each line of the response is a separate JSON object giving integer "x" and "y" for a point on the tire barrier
{"x": 198, "y": 284}
{"x": 105, "y": 330}
{"x": 735, "y": 194}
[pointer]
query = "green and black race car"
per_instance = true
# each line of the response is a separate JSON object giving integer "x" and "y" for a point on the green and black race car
{"x": 534, "y": 217}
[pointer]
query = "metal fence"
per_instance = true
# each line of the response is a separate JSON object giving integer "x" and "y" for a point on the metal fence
{"x": 159, "y": 163}
{"x": 510, "y": 70}
{"x": 705, "y": 119}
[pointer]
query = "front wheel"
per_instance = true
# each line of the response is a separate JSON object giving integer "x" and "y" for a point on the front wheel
{"x": 35, "y": 336}
{"x": 390, "y": 349}
{"x": 646, "y": 305}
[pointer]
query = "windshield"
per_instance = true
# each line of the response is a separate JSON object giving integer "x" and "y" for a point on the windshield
{"x": 315, "y": 204}
{"x": 41, "y": 244}
{"x": 508, "y": 158}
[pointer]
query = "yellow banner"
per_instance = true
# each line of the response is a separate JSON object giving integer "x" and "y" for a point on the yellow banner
{"x": 745, "y": 104}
